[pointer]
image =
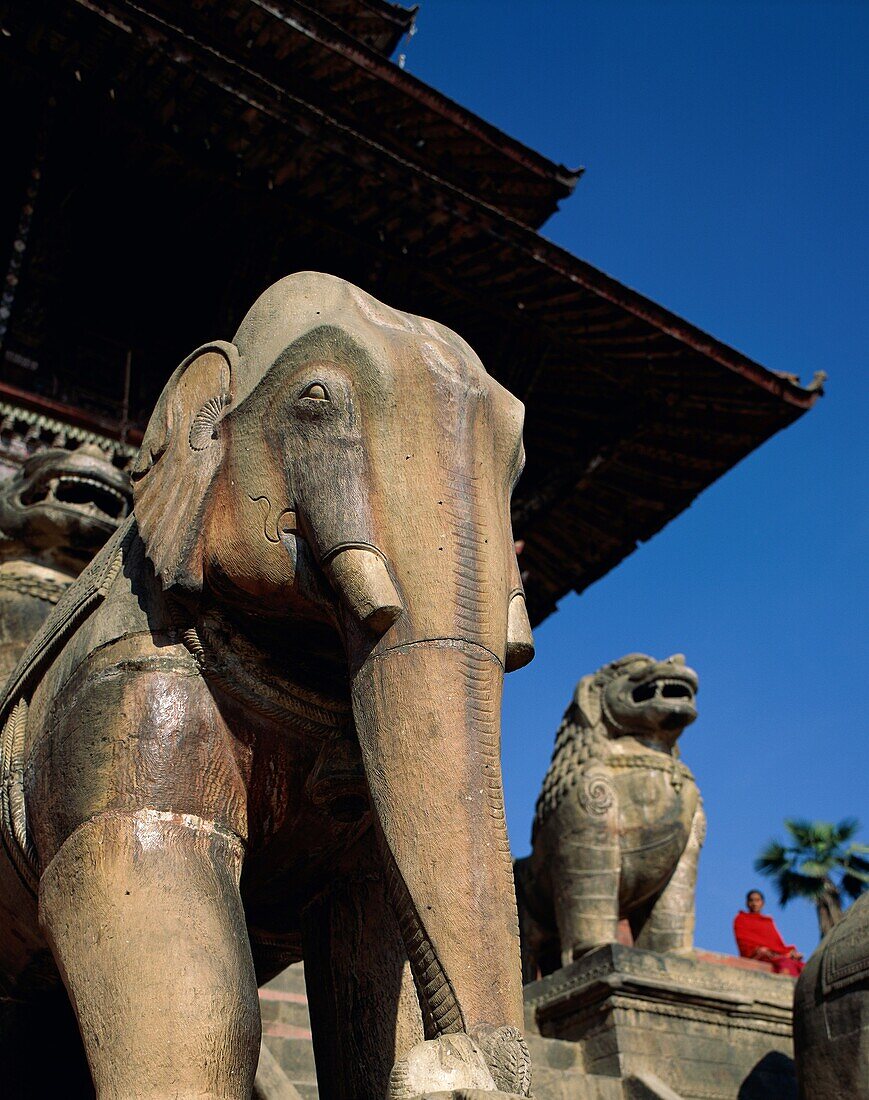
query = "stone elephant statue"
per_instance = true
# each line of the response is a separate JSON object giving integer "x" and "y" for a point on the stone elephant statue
{"x": 265, "y": 722}
{"x": 55, "y": 514}
{"x": 619, "y": 823}
{"x": 831, "y": 1011}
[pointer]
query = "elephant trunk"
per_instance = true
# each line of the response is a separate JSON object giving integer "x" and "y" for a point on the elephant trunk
{"x": 432, "y": 614}
{"x": 428, "y": 718}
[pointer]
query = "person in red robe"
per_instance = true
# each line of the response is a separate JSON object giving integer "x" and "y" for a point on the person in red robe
{"x": 758, "y": 938}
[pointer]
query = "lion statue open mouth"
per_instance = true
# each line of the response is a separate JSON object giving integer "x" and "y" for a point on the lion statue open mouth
{"x": 646, "y": 698}
{"x": 55, "y": 514}
{"x": 619, "y": 821}
{"x": 64, "y": 503}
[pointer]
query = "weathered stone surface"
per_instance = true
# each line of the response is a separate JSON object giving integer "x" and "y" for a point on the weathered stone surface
{"x": 619, "y": 821}
{"x": 736, "y": 961}
{"x": 705, "y": 1031}
{"x": 558, "y": 1072}
{"x": 453, "y": 1061}
{"x": 647, "y": 1086}
{"x": 267, "y": 669}
{"x": 467, "y": 1094}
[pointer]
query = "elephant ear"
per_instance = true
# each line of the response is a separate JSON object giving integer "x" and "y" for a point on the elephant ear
{"x": 177, "y": 461}
{"x": 587, "y": 699}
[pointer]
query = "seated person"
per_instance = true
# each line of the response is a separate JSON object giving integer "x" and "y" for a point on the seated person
{"x": 758, "y": 938}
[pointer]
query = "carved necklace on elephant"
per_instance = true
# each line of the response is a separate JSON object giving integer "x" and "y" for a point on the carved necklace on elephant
{"x": 228, "y": 659}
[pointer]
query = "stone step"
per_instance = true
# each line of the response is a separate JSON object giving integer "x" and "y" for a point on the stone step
{"x": 282, "y": 1006}
{"x": 558, "y": 1070}
{"x": 554, "y": 1054}
{"x": 292, "y": 980}
{"x": 295, "y": 1057}
{"x": 287, "y": 1028}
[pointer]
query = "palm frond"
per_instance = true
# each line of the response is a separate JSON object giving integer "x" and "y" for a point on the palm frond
{"x": 847, "y": 827}
{"x": 854, "y": 885}
{"x": 817, "y": 868}
{"x": 801, "y": 830}
{"x": 819, "y": 858}
{"x": 773, "y": 859}
{"x": 791, "y": 884}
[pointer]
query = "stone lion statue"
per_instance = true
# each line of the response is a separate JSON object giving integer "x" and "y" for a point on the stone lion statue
{"x": 619, "y": 822}
{"x": 55, "y": 514}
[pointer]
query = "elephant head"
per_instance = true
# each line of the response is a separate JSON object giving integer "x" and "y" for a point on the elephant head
{"x": 343, "y": 460}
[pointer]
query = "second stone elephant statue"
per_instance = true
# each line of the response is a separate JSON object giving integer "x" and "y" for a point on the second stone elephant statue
{"x": 831, "y": 1011}
{"x": 265, "y": 723}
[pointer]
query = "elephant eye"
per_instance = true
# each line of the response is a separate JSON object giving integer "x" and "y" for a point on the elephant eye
{"x": 316, "y": 392}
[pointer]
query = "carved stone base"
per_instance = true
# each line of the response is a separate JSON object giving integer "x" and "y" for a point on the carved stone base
{"x": 702, "y": 1029}
{"x": 468, "y": 1094}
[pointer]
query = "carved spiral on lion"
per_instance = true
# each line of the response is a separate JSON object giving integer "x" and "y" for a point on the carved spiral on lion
{"x": 595, "y": 793}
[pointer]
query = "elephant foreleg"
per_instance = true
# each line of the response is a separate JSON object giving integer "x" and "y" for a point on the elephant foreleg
{"x": 364, "y": 1008}
{"x": 144, "y": 917}
{"x": 670, "y": 925}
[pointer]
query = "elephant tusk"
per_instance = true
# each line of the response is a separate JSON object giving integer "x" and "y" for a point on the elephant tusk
{"x": 520, "y": 643}
{"x": 363, "y": 580}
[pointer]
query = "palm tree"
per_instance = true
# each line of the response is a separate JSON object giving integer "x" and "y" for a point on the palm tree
{"x": 819, "y": 865}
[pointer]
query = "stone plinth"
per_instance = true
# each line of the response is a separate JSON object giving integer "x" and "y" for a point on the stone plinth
{"x": 703, "y": 1029}
{"x": 468, "y": 1094}
{"x": 556, "y": 1066}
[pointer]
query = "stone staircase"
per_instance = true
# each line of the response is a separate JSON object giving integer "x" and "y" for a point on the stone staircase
{"x": 287, "y": 1028}
{"x": 558, "y": 1072}
{"x": 559, "y": 1075}
{"x": 605, "y": 1027}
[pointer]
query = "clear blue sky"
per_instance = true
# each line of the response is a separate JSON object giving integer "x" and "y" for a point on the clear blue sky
{"x": 727, "y": 156}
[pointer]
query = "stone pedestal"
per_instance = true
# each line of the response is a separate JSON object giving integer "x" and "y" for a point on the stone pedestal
{"x": 468, "y": 1094}
{"x": 702, "y": 1029}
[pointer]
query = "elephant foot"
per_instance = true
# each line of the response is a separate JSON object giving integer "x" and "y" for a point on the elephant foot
{"x": 507, "y": 1056}
{"x": 445, "y": 1064}
{"x": 493, "y": 1061}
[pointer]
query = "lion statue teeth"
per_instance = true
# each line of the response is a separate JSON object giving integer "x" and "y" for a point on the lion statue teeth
{"x": 56, "y": 512}
{"x": 619, "y": 822}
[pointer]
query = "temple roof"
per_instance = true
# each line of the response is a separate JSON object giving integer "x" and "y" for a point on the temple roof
{"x": 377, "y": 24}
{"x": 292, "y": 65}
{"x": 262, "y": 137}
